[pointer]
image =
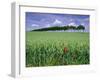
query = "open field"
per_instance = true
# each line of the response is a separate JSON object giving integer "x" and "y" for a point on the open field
{"x": 56, "y": 48}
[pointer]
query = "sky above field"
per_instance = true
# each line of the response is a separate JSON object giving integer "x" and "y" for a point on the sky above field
{"x": 44, "y": 20}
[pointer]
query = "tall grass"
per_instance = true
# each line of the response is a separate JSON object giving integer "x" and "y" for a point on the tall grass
{"x": 47, "y": 48}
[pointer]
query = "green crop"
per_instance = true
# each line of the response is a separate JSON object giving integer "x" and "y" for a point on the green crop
{"x": 57, "y": 48}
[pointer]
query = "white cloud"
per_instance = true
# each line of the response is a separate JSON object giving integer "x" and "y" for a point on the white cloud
{"x": 83, "y": 24}
{"x": 34, "y": 25}
{"x": 48, "y": 25}
{"x": 29, "y": 28}
{"x": 72, "y": 24}
{"x": 71, "y": 20}
{"x": 86, "y": 19}
{"x": 57, "y": 22}
{"x": 83, "y": 20}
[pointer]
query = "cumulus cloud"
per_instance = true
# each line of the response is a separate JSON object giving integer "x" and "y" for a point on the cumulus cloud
{"x": 83, "y": 24}
{"x": 72, "y": 24}
{"x": 35, "y": 25}
{"x": 57, "y": 22}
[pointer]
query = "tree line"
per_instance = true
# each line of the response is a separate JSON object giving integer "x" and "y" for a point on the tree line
{"x": 55, "y": 28}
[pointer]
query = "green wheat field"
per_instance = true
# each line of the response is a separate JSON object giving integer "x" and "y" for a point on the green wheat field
{"x": 57, "y": 48}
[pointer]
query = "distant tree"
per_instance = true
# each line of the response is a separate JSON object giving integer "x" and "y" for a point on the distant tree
{"x": 72, "y": 27}
{"x": 65, "y": 28}
{"x": 81, "y": 27}
{"x": 54, "y": 28}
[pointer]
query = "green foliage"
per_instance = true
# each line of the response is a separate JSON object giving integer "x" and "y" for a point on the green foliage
{"x": 54, "y": 28}
{"x": 47, "y": 48}
{"x": 80, "y": 27}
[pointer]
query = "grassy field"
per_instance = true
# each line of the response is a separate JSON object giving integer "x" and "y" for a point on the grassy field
{"x": 56, "y": 48}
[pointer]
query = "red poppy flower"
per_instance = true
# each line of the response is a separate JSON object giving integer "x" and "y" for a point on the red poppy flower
{"x": 65, "y": 49}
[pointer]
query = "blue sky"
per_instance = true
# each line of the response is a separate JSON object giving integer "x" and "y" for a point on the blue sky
{"x": 41, "y": 20}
